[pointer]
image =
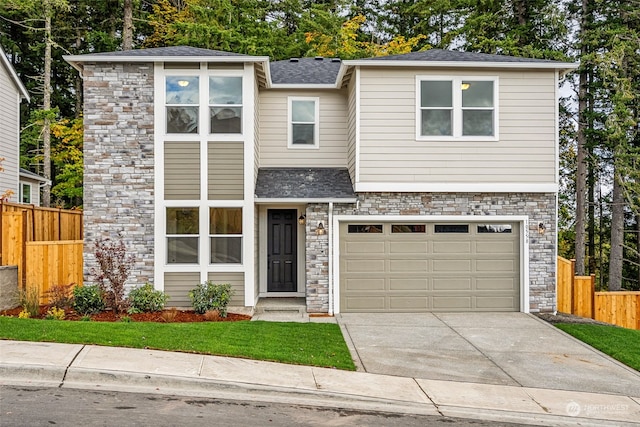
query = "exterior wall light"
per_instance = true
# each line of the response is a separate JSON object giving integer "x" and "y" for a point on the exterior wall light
{"x": 541, "y": 228}
{"x": 321, "y": 231}
{"x": 302, "y": 219}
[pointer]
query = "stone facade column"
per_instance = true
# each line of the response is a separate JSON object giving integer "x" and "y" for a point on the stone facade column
{"x": 119, "y": 163}
{"x": 317, "y": 259}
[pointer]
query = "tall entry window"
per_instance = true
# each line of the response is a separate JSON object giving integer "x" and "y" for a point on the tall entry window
{"x": 225, "y": 234}
{"x": 225, "y": 104}
{"x": 182, "y": 99}
{"x": 182, "y": 230}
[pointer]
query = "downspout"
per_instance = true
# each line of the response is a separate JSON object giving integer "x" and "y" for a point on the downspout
{"x": 330, "y": 255}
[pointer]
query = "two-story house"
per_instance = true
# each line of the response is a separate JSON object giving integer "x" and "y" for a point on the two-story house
{"x": 23, "y": 185}
{"x": 418, "y": 182}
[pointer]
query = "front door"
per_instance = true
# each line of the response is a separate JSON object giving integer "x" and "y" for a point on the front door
{"x": 281, "y": 253}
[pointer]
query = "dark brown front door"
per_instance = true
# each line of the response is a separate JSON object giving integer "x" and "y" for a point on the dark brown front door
{"x": 281, "y": 255}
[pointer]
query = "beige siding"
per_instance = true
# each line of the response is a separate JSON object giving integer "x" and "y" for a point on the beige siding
{"x": 9, "y": 143}
{"x": 226, "y": 166}
{"x": 389, "y": 151}
{"x": 352, "y": 123}
{"x": 237, "y": 284}
{"x": 273, "y": 119}
{"x": 181, "y": 170}
{"x": 177, "y": 286}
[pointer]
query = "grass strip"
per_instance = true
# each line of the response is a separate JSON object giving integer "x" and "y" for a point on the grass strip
{"x": 314, "y": 344}
{"x": 620, "y": 343}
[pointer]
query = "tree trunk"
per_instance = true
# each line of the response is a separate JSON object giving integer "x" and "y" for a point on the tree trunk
{"x": 127, "y": 29}
{"x": 617, "y": 233}
{"x": 46, "y": 106}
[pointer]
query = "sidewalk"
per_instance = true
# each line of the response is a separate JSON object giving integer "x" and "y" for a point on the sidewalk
{"x": 149, "y": 371}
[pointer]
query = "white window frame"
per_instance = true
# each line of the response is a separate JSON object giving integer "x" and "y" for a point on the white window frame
{"x": 316, "y": 129}
{"x": 21, "y": 195}
{"x": 456, "y": 83}
{"x": 225, "y": 136}
{"x": 167, "y": 236}
{"x": 210, "y": 236}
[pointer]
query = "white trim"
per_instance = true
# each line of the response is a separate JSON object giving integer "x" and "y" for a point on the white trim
{"x": 461, "y": 64}
{"x": 160, "y": 249}
{"x": 22, "y": 90}
{"x": 358, "y": 132}
{"x": 523, "y": 220}
{"x": 21, "y": 186}
{"x": 556, "y": 148}
{"x": 316, "y": 123}
{"x": 443, "y": 187}
{"x": 304, "y": 86}
{"x": 298, "y": 201}
{"x": 248, "y": 207}
{"x": 332, "y": 231}
{"x": 457, "y": 108}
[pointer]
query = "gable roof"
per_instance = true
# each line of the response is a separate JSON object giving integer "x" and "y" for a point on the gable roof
{"x": 13, "y": 75}
{"x": 440, "y": 55}
{"x": 308, "y": 71}
{"x": 32, "y": 176}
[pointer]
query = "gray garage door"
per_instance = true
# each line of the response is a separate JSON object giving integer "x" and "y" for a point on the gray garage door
{"x": 414, "y": 267}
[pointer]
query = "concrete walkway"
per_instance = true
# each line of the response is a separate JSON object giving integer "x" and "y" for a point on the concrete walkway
{"x": 109, "y": 368}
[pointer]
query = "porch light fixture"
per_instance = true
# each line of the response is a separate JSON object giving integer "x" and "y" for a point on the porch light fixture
{"x": 302, "y": 219}
{"x": 465, "y": 86}
{"x": 183, "y": 83}
{"x": 320, "y": 230}
{"x": 541, "y": 228}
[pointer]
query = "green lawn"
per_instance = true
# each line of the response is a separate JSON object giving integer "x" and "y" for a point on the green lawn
{"x": 316, "y": 344}
{"x": 620, "y": 343}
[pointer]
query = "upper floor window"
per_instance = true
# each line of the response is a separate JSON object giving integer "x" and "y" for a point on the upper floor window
{"x": 182, "y": 99}
{"x": 225, "y": 104}
{"x": 458, "y": 107}
{"x": 303, "y": 122}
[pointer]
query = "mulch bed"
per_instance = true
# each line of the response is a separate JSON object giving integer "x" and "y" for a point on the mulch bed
{"x": 165, "y": 316}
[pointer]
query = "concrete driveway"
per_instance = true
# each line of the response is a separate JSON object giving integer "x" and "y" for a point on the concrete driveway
{"x": 515, "y": 349}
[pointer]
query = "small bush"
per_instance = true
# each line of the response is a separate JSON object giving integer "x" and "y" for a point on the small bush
{"x": 146, "y": 298}
{"x": 169, "y": 316}
{"x": 114, "y": 267}
{"x": 126, "y": 319}
{"x": 212, "y": 315}
{"x": 211, "y": 296}
{"x": 30, "y": 302}
{"x": 87, "y": 300}
{"x": 24, "y": 314}
{"x": 61, "y": 296}
{"x": 55, "y": 313}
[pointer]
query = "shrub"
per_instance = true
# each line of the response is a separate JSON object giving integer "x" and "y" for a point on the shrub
{"x": 55, "y": 313}
{"x": 211, "y": 296}
{"x": 24, "y": 314}
{"x": 30, "y": 302}
{"x": 146, "y": 298}
{"x": 115, "y": 266}
{"x": 87, "y": 300}
{"x": 60, "y": 296}
{"x": 169, "y": 316}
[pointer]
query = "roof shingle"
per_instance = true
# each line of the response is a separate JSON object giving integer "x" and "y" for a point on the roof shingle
{"x": 305, "y": 71}
{"x": 304, "y": 183}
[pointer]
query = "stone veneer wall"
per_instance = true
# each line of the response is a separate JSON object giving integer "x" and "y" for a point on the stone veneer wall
{"x": 119, "y": 162}
{"x": 540, "y": 208}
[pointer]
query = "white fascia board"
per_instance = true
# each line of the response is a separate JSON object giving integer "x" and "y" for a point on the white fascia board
{"x": 14, "y": 76}
{"x": 473, "y": 187}
{"x": 259, "y": 200}
{"x": 303, "y": 86}
{"x": 463, "y": 64}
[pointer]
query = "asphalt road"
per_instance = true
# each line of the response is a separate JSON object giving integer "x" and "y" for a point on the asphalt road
{"x": 32, "y": 406}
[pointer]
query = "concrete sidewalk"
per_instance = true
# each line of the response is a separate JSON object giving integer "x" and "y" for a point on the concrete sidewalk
{"x": 122, "y": 369}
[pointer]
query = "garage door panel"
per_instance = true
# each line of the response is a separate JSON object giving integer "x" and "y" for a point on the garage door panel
{"x": 366, "y": 247}
{"x": 496, "y": 284}
{"x": 364, "y": 266}
{"x": 409, "y": 303}
{"x": 492, "y": 247}
{"x": 451, "y": 247}
{"x": 452, "y": 265}
{"x": 364, "y": 284}
{"x": 408, "y": 284}
{"x": 428, "y": 271}
{"x": 408, "y": 265}
{"x": 451, "y": 283}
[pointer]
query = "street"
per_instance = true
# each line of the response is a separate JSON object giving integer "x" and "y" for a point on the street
{"x": 33, "y": 406}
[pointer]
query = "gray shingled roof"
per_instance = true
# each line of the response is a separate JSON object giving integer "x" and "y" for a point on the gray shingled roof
{"x": 304, "y": 183}
{"x": 169, "y": 51}
{"x": 305, "y": 71}
{"x": 439, "y": 55}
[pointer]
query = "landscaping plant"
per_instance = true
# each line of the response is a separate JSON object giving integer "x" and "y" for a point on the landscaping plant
{"x": 87, "y": 300}
{"x": 55, "y": 313}
{"x": 209, "y": 296}
{"x": 115, "y": 266}
{"x": 60, "y": 296}
{"x": 30, "y": 302}
{"x": 145, "y": 299}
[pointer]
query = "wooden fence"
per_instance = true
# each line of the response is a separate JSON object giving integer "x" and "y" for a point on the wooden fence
{"x": 46, "y": 245}
{"x": 576, "y": 295}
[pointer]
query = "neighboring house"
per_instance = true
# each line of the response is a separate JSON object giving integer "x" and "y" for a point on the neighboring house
{"x": 418, "y": 182}
{"x": 24, "y": 185}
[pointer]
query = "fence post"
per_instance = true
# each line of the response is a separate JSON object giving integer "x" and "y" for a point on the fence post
{"x": 572, "y": 286}
{"x": 593, "y": 296}
{"x": 24, "y": 250}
